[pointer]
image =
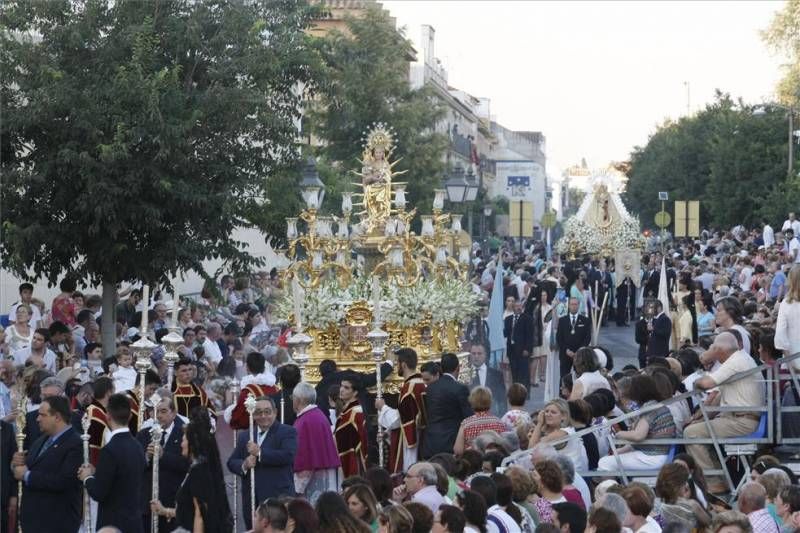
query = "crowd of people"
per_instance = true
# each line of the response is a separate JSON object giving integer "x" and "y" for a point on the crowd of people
{"x": 473, "y": 456}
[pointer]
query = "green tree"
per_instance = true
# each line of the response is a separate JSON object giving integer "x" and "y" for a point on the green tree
{"x": 726, "y": 156}
{"x": 367, "y": 73}
{"x": 783, "y": 37}
{"x": 137, "y": 136}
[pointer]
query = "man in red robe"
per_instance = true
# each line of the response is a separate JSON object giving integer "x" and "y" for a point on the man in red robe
{"x": 98, "y": 419}
{"x": 257, "y": 382}
{"x": 151, "y": 383}
{"x": 351, "y": 431}
{"x": 187, "y": 395}
{"x": 407, "y": 421}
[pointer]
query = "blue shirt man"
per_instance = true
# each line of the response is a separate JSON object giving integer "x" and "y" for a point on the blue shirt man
{"x": 778, "y": 286}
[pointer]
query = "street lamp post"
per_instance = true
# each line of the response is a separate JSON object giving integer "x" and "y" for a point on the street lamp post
{"x": 311, "y": 180}
{"x": 790, "y": 111}
{"x": 469, "y": 196}
{"x": 456, "y": 186}
{"x": 487, "y": 213}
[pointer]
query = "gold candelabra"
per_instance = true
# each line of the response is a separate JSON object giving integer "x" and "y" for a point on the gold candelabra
{"x": 386, "y": 247}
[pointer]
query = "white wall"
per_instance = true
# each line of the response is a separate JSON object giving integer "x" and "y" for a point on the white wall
{"x": 191, "y": 284}
{"x": 532, "y": 169}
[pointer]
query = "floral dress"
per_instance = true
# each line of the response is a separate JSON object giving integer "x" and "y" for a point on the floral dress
{"x": 64, "y": 310}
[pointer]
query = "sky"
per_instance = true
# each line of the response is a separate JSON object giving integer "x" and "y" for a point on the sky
{"x": 597, "y": 77}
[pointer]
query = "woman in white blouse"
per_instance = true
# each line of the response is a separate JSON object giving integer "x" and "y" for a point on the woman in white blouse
{"x": 587, "y": 367}
{"x": 787, "y": 332}
{"x": 20, "y": 334}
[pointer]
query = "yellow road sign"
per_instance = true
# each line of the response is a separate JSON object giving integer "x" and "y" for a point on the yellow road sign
{"x": 548, "y": 220}
{"x": 520, "y": 219}
{"x": 663, "y": 219}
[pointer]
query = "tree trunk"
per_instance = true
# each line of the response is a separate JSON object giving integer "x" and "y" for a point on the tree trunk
{"x": 108, "y": 327}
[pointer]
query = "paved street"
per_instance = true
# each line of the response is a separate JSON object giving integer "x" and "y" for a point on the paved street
{"x": 623, "y": 348}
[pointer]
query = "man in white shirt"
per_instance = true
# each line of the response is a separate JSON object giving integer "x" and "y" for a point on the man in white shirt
{"x": 746, "y": 392}
{"x": 26, "y": 297}
{"x": 767, "y": 234}
{"x": 420, "y": 486}
{"x": 792, "y": 245}
{"x": 212, "y": 349}
{"x": 37, "y": 351}
{"x": 791, "y": 223}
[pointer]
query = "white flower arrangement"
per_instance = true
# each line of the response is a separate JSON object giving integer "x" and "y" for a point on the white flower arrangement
{"x": 447, "y": 300}
{"x": 581, "y": 237}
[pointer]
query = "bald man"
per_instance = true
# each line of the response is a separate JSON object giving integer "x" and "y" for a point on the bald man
{"x": 745, "y": 392}
{"x": 752, "y": 502}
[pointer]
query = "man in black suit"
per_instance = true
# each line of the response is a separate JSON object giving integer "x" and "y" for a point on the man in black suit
{"x": 116, "y": 484}
{"x": 574, "y": 331}
{"x": 641, "y": 336}
{"x": 518, "y": 330}
{"x": 8, "y": 489}
{"x": 49, "y": 387}
{"x": 51, "y": 496}
{"x": 268, "y": 453}
{"x": 660, "y": 330}
{"x": 601, "y": 279}
{"x": 447, "y": 404}
{"x": 488, "y": 377}
{"x": 626, "y": 302}
{"x": 172, "y": 465}
{"x": 288, "y": 376}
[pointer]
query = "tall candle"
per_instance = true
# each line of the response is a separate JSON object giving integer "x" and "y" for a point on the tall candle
{"x": 145, "y": 309}
{"x": 298, "y": 304}
{"x": 175, "y": 306}
{"x": 376, "y": 300}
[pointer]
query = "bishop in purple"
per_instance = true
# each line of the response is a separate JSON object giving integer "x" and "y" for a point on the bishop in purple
{"x": 317, "y": 468}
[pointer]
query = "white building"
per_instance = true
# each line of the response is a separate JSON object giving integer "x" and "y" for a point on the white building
{"x": 191, "y": 284}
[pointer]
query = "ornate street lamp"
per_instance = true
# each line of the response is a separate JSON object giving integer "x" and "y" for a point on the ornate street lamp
{"x": 313, "y": 188}
{"x": 472, "y": 186}
{"x": 456, "y": 186}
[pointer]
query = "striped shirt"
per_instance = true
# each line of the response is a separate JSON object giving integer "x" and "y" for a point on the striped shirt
{"x": 661, "y": 426}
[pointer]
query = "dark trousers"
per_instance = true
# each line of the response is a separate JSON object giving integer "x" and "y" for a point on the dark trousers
{"x": 520, "y": 372}
{"x": 642, "y": 358}
{"x": 565, "y": 362}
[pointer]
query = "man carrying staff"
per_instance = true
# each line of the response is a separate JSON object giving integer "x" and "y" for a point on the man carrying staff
{"x": 98, "y": 416}
{"x": 268, "y": 455}
{"x": 172, "y": 465}
{"x": 51, "y": 495}
{"x": 407, "y": 421}
{"x": 351, "y": 431}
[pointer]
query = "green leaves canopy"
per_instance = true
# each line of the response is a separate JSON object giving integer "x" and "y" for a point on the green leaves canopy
{"x": 367, "y": 71}
{"x": 731, "y": 159}
{"x": 137, "y": 135}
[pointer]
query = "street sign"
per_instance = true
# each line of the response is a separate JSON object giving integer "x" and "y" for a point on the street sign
{"x": 693, "y": 219}
{"x": 548, "y": 220}
{"x": 520, "y": 222}
{"x": 680, "y": 218}
{"x": 663, "y": 219}
{"x": 663, "y": 196}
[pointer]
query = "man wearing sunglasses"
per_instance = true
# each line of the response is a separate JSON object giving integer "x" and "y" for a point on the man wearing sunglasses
{"x": 268, "y": 453}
